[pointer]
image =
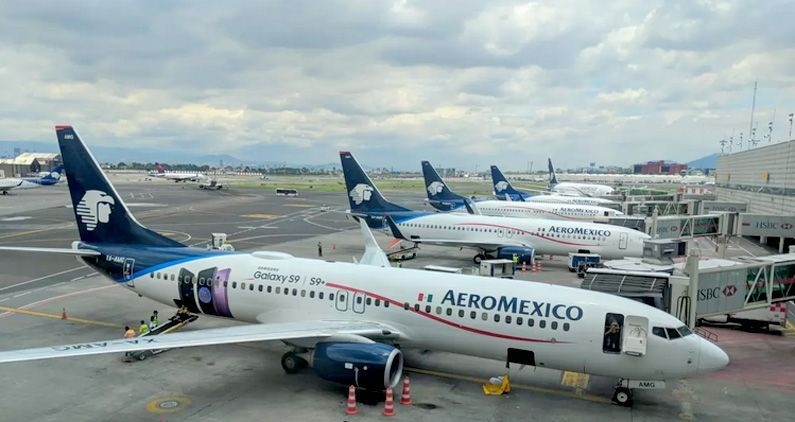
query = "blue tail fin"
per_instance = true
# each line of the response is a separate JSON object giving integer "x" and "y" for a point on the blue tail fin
{"x": 363, "y": 195}
{"x": 100, "y": 213}
{"x": 553, "y": 180}
{"x": 54, "y": 176}
{"x": 439, "y": 195}
{"x": 503, "y": 187}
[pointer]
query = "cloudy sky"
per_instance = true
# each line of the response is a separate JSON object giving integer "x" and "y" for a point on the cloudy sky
{"x": 460, "y": 83}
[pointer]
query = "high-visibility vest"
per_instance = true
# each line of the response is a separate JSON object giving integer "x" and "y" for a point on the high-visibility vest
{"x": 143, "y": 329}
{"x": 515, "y": 258}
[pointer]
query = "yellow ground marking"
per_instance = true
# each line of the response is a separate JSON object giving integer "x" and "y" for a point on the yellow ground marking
{"x": 571, "y": 394}
{"x": 167, "y": 404}
{"x": 264, "y": 216}
{"x": 576, "y": 380}
{"x": 65, "y": 226}
{"x": 58, "y": 316}
{"x": 300, "y": 205}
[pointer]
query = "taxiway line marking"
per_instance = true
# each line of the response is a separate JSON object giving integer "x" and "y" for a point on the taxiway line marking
{"x": 43, "y": 277}
{"x": 58, "y": 317}
{"x": 569, "y": 394}
{"x": 50, "y": 299}
{"x": 10, "y": 235}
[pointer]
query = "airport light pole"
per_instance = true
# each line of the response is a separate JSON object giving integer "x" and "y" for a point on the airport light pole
{"x": 790, "y": 126}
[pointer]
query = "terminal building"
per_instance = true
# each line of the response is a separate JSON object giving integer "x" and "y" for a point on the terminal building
{"x": 28, "y": 163}
{"x": 762, "y": 177}
{"x": 764, "y": 180}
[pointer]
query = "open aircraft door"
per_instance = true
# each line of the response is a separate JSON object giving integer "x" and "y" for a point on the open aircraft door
{"x": 635, "y": 333}
{"x": 128, "y": 269}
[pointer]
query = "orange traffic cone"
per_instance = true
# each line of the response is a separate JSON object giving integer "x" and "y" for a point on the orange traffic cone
{"x": 63, "y": 314}
{"x": 405, "y": 398}
{"x": 389, "y": 404}
{"x": 350, "y": 409}
{"x": 524, "y": 266}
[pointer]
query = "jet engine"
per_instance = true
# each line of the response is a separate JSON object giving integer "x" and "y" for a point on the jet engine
{"x": 372, "y": 366}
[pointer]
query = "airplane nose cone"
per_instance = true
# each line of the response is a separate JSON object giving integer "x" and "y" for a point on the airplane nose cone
{"x": 711, "y": 357}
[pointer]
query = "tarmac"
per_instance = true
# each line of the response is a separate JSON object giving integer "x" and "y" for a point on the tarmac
{"x": 245, "y": 382}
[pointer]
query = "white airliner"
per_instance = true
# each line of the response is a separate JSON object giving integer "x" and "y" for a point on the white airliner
{"x": 441, "y": 197}
{"x": 489, "y": 234}
{"x": 572, "y": 188}
{"x": 159, "y": 171}
{"x": 45, "y": 179}
{"x": 350, "y": 321}
{"x": 566, "y": 199}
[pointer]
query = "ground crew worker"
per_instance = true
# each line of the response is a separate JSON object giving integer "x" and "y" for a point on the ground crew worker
{"x": 399, "y": 264}
{"x": 319, "y": 249}
{"x": 155, "y": 318}
{"x": 152, "y": 324}
{"x": 128, "y": 332}
{"x": 143, "y": 329}
{"x": 515, "y": 260}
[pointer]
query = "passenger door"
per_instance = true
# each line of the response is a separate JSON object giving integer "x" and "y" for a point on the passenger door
{"x": 341, "y": 301}
{"x": 623, "y": 239}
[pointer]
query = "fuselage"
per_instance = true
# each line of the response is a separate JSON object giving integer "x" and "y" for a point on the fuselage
{"x": 566, "y": 199}
{"x": 552, "y": 237}
{"x": 563, "y": 327}
{"x": 546, "y": 210}
{"x": 572, "y": 188}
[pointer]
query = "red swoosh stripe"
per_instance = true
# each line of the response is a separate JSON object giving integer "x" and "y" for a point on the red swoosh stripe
{"x": 520, "y": 230}
{"x": 442, "y": 320}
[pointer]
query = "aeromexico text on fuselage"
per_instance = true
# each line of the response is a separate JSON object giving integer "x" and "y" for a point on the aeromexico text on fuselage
{"x": 511, "y": 304}
{"x": 552, "y": 229}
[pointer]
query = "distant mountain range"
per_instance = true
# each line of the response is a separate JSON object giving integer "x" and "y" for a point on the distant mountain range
{"x": 105, "y": 154}
{"x": 708, "y": 162}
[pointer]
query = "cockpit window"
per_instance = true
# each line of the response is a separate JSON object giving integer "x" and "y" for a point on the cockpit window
{"x": 659, "y": 331}
{"x": 672, "y": 333}
{"x": 684, "y": 331}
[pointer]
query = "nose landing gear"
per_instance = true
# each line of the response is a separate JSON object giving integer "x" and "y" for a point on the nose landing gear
{"x": 622, "y": 396}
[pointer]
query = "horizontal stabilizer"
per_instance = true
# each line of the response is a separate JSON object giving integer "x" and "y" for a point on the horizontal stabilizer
{"x": 62, "y": 251}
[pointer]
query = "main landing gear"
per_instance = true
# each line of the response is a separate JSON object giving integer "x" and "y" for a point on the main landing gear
{"x": 292, "y": 363}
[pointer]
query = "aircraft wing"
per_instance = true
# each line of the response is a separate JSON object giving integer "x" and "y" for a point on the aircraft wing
{"x": 63, "y": 251}
{"x": 206, "y": 337}
{"x": 449, "y": 242}
{"x": 373, "y": 254}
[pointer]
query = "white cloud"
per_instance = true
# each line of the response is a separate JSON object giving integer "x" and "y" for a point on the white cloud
{"x": 497, "y": 82}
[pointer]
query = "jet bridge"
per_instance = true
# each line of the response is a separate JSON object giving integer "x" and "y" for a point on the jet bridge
{"x": 720, "y": 286}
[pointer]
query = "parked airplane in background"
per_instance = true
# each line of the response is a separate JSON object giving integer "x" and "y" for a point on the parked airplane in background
{"x": 351, "y": 328}
{"x": 443, "y": 199}
{"x": 159, "y": 171}
{"x": 572, "y": 188}
{"x": 48, "y": 179}
{"x": 488, "y": 234}
{"x": 503, "y": 190}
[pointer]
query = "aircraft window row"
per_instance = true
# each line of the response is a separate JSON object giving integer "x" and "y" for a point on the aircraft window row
{"x": 508, "y": 319}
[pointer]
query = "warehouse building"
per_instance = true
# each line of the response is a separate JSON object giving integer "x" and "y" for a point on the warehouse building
{"x": 28, "y": 163}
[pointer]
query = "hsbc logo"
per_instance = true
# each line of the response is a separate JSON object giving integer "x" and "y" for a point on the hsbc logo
{"x": 716, "y": 292}
{"x": 786, "y": 226}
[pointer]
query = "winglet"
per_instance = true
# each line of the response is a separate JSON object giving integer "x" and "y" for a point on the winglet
{"x": 393, "y": 227}
{"x": 472, "y": 208}
{"x": 373, "y": 254}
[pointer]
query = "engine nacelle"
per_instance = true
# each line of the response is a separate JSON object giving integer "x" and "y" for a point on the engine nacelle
{"x": 372, "y": 366}
{"x": 525, "y": 254}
